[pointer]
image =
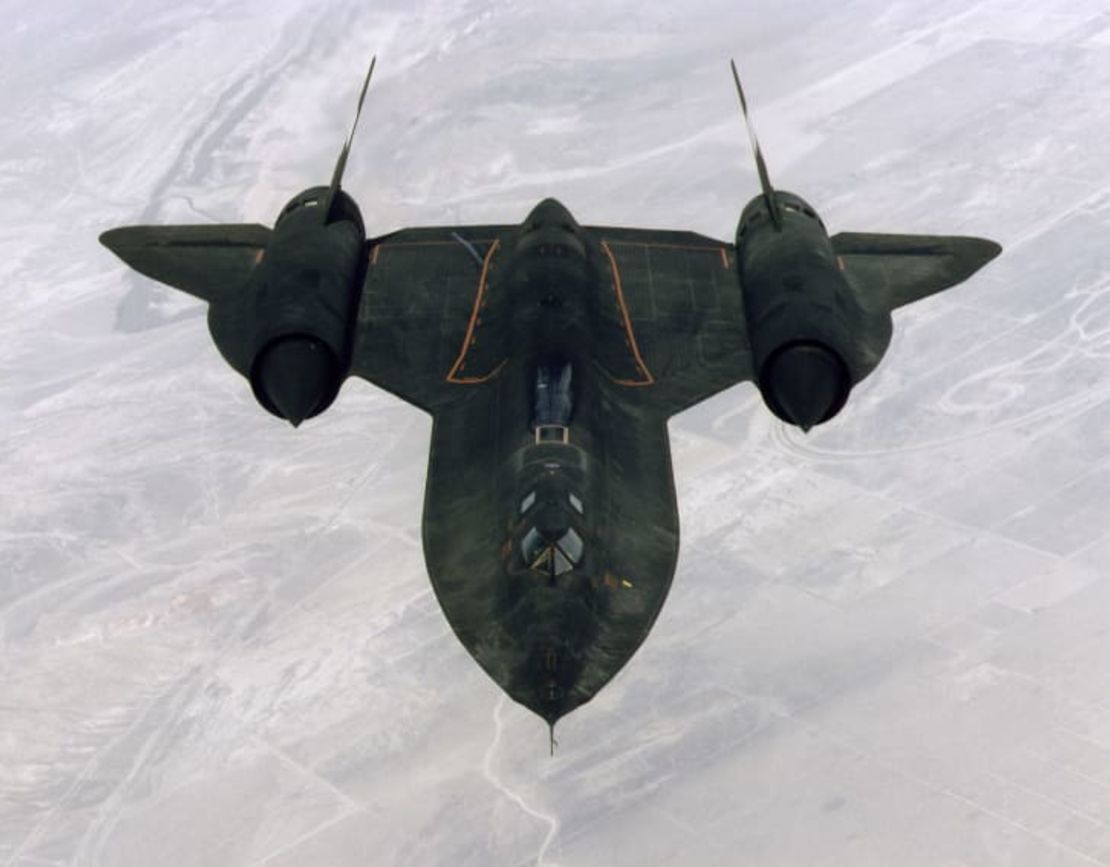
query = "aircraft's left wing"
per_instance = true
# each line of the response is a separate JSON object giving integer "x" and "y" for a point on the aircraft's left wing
{"x": 205, "y": 261}
{"x": 418, "y": 333}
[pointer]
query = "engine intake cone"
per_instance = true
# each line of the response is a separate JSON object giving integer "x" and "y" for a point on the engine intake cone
{"x": 805, "y": 384}
{"x": 295, "y": 378}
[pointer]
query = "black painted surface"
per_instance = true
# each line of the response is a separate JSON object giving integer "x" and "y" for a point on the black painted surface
{"x": 550, "y": 357}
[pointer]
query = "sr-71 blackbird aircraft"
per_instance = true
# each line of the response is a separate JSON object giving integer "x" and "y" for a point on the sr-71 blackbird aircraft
{"x": 550, "y": 356}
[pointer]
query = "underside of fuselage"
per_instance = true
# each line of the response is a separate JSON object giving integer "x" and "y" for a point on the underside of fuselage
{"x": 550, "y": 526}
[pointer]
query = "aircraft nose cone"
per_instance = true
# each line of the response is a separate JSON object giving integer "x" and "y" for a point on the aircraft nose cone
{"x": 546, "y": 682}
{"x": 805, "y": 384}
{"x": 295, "y": 378}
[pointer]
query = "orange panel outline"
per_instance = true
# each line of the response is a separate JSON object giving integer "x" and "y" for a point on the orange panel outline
{"x": 702, "y": 248}
{"x": 478, "y": 380}
{"x": 631, "y": 335}
{"x": 469, "y": 339}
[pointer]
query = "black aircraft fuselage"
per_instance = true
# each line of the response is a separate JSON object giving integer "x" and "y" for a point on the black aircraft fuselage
{"x": 557, "y": 489}
{"x": 550, "y": 356}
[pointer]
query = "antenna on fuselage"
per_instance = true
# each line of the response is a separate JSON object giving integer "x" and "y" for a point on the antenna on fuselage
{"x": 554, "y": 743}
{"x": 341, "y": 163}
{"x": 760, "y": 165}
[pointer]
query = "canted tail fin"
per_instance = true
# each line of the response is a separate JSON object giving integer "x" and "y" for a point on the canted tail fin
{"x": 341, "y": 163}
{"x": 760, "y": 165}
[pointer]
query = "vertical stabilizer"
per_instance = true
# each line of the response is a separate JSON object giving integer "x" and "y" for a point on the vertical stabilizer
{"x": 760, "y": 165}
{"x": 341, "y": 163}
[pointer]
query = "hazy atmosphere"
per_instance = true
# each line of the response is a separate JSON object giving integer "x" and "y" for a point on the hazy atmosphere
{"x": 888, "y": 641}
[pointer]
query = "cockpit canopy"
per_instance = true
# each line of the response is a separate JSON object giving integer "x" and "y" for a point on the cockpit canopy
{"x": 551, "y": 545}
{"x": 552, "y": 557}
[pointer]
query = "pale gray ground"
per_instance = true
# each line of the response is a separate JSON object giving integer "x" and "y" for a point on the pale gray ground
{"x": 888, "y": 642}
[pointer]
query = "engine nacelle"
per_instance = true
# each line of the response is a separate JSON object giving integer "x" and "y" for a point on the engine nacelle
{"x": 811, "y": 339}
{"x": 290, "y": 331}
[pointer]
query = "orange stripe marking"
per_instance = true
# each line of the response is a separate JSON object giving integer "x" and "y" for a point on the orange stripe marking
{"x": 468, "y": 341}
{"x": 697, "y": 248}
{"x": 631, "y": 335}
{"x": 478, "y": 380}
{"x": 706, "y": 247}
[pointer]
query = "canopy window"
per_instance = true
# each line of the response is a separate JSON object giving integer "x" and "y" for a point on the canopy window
{"x": 552, "y": 558}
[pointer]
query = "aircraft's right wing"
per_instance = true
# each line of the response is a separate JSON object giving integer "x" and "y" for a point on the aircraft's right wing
{"x": 893, "y": 270}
